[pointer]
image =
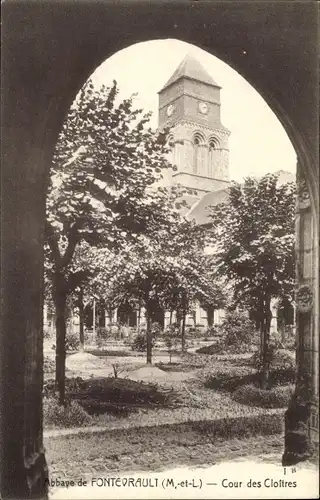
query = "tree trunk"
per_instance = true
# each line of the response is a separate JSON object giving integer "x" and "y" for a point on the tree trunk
{"x": 139, "y": 319}
{"x": 60, "y": 304}
{"x": 265, "y": 346}
{"x": 210, "y": 316}
{"x": 149, "y": 337}
{"x": 281, "y": 326}
{"x": 81, "y": 319}
{"x": 183, "y": 332}
{"x": 170, "y": 321}
{"x": 179, "y": 318}
{"x": 102, "y": 317}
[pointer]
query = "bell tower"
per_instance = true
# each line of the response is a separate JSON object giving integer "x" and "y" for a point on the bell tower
{"x": 189, "y": 103}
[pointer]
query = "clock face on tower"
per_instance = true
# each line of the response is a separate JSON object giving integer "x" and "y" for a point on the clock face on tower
{"x": 170, "y": 110}
{"x": 203, "y": 107}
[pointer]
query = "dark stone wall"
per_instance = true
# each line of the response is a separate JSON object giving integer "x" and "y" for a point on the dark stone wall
{"x": 49, "y": 48}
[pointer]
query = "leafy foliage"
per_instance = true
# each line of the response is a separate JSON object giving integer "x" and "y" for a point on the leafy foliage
{"x": 277, "y": 397}
{"x": 118, "y": 391}
{"x": 72, "y": 342}
{"x": 139, "y": 343}
{"x": 168, "y": 271}
{"x": 71, "y": 415}
{"x": 240, "y": 376}
{"x": 105, "y": 163}
{"x": 279, "y": 359}
{"x": 254, "y": 237}
{"x": 238, "y": 335}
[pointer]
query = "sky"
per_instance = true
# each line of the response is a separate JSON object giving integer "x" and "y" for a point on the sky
{"x": 258, "y": 142}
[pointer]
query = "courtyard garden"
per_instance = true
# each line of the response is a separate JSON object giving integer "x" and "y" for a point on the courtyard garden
{"x": 119, "y": 245}
{"x": 185, "y": 408}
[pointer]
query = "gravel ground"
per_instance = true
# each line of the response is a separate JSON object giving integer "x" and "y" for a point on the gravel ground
{"x": 86, "y": 455}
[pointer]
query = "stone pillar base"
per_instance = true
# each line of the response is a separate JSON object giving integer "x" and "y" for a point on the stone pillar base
{"x": 298, "y": 445}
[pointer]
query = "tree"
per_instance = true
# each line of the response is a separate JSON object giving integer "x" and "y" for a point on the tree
{"x": 104, "y": 165}
{"x": 254, "y": 236}
{"x": 167, "y": 271}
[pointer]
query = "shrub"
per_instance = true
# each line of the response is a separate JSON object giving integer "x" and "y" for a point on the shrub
{"x": 111, "y": 331}
{"x": 47, "y": 333}
{"x": 72, "y": 342}
{"x": 282, "y": 359}
{"x": 277, "y": 397}
{"x": 139, "y": 343}
{"x": 229, "y": 382}
{"x": 240, "y": 376}
{"x": 49, "y": 365}
{"x": 289, "y": 337}
{"x": 116, "y": 390}
{"x": 236, "y": 334}
{"x": 213, "y": 331}
{"x": 72, "y": 384}
{"x": 71, "y": 415}
{"x": 282, "y": 376}
{"x": 195, "y": 331}
{"x": 209, "y": 349}
{"x": 104, "y": 333}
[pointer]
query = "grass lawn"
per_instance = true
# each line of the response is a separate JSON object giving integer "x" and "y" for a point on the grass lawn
{"x": 128, "y": 399}
{"x": 159, "y": 428}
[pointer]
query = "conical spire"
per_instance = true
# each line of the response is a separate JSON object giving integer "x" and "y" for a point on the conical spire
{"x": 190, "y": 68}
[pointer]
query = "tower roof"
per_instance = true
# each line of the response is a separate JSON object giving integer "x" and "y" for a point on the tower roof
{"x": 190, "y": 68}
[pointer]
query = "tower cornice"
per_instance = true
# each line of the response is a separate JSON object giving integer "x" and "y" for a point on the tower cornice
{"x": 208, "y": 128}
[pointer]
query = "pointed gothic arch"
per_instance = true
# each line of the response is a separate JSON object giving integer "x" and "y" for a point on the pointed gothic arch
{"x": 30, "y": 130}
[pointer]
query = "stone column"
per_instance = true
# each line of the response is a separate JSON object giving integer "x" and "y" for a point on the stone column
{"x": 219, "y": 315}
{"x": 302, "y": 414}
{"x": 274, "y": 317}
{"x": 24, "y": 167}
{"x": 167, "y": 318}
{"x": 106, "y": 318}
{"x": 198, "y": 315}
{"x": 114, "y": 315}
{"x": 143, "y": 321}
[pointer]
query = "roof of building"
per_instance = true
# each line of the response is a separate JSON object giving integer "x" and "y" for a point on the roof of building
{"x": 190, "y": 68}
{"x": 201, "y": 209}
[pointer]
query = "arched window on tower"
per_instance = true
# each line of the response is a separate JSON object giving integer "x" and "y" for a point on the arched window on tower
{"x": 214, "y": 145}
{"x": 198, "y": 148}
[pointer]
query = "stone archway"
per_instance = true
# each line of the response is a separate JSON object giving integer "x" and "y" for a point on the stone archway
{"x": 49, "y": 50}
